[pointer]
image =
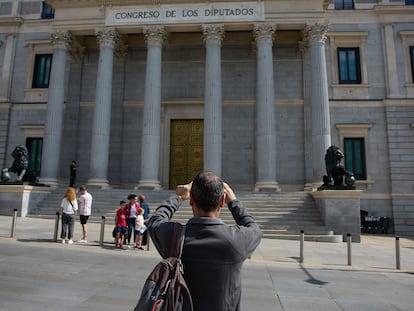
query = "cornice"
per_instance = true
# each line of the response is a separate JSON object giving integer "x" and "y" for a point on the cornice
{"x": 11, "y": 21}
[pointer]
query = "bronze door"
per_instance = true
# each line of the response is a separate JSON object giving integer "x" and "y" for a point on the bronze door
{"x": 186, "y": 150}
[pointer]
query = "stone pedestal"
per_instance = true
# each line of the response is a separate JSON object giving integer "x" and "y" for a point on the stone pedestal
{"x": 21, "y": 197}
{"x": 340, "y": 210}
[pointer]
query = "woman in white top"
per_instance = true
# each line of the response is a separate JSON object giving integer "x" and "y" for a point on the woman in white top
{"x": 132, "y": 209}
{"x": 69, "y": 206}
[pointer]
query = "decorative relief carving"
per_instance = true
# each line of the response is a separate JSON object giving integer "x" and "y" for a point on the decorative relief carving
{"x": 155, "y": 35}
{"x": 61, "y": 38}
{"x": 316, "y": 33}
{"x": 107, "y": 37}
{"x": 76, "y": 51}
{"x": 264, "y": 33}
{"x": 213, "y": 32}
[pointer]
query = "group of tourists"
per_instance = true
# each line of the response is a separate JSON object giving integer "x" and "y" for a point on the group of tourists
{"x": 130, "y": 221}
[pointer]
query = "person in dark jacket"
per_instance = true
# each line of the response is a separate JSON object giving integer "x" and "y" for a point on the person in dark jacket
{"x": 213, "y": 252}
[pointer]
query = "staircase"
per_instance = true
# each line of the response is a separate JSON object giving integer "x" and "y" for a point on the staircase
{"x": 279, "y": 215}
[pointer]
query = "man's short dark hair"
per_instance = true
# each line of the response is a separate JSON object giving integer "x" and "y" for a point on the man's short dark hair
{"x": 207, "y": 190}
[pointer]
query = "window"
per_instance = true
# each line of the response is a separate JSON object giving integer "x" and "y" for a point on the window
{"x": 41, "y": 72}
{"x": 354, "y": 151}
{"x": 412, "y": 62}
{"x": 34, "y": 147}
{"x": 409, "y": 2}
{"x": 47, "y": 11}
{"x": 349, "y": 66}
{"x": 344, "y": 4}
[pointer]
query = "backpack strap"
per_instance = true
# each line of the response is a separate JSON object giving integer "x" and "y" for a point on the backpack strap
{"x": 178, "y": 240}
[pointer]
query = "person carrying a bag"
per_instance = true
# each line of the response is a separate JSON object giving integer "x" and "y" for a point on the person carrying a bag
{"x": 213, "y": 252}
{"x": 69, "y": 206}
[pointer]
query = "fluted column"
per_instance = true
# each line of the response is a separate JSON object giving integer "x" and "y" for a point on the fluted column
{"x": 151, "y": 124}
{"x": 213, "y": 36}
{"x": 321, "y": 124}
{"x": 265, "y": 110}
{"x": 307, "y": 113}
{"x": 102, "y": 110}
{"x": 55, "y": 107}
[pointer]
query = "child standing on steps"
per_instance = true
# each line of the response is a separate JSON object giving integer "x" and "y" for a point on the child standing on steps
{"x": 121, "y": 224}
{"x": 140, "y": 228}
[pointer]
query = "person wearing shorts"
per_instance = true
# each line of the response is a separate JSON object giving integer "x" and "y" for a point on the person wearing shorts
{"x": 120, "y": 224}
{"x": 85, "y": 207}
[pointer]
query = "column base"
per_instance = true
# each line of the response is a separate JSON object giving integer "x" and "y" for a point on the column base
{"x": 98, "y": 183}
{"x": 267, "y": 186}
{"x": 149, "y": 185}
{"x": 51, "y": 182}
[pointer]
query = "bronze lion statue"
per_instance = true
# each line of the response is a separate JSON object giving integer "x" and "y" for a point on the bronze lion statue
{"x": 19, "y": 166}
{"x": 336, "y": 173}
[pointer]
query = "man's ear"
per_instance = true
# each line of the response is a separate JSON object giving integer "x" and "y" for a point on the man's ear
{"x": 191, "y": 199}
{"x": 222, "y": 200}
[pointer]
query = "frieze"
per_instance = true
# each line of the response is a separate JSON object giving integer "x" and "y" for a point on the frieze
{"x": 193, "y": 13}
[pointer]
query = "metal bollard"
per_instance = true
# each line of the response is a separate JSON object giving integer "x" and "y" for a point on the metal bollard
{"x": 13, "y": 228}
{"x": 101, "y": 237}
{"x": 397, "y": 252}
{"x": 349, "y": 241}
{"x": 302, "y": 242}
{"x": 148, "y": 240}
{"x": 55, "y": 233}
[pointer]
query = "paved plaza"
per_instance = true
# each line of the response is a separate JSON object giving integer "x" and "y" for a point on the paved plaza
{"x": 38, "y": 274}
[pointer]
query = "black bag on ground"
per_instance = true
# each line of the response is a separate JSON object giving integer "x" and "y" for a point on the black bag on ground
{"x": 165, "y": 288}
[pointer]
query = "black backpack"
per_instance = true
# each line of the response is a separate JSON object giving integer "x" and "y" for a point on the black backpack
{"x": 165, "y": 288}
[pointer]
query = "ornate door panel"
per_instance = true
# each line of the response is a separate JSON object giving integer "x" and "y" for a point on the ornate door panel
{"x": 186, "y": 151}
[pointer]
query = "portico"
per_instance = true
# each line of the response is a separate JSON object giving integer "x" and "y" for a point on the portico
{"x": 124, "y": 35}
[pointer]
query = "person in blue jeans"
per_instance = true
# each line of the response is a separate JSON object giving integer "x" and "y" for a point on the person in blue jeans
{"x": 132, "y": 211}
{"x": 69, "y": 206}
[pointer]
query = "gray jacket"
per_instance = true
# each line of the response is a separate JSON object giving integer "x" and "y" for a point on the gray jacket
{"x": 213, "y": 253}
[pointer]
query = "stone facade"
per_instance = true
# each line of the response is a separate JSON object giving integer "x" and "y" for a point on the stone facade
{"x": 267, "y": 89}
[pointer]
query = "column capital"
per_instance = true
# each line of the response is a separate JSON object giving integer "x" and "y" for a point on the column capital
{"x": 213, "y": 32}
{"x": 107, "y": 37}
{"x": 61, "y": 39}
{"x": 155, "y": 35}
{"x": 76, "y": 51}
{"x": 264, "y": 32}
{"x": 316, "y": 33}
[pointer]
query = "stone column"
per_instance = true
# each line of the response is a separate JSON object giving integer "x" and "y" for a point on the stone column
{"x": 151, "y": 123}
{"x": 321, "y": 124}
{"x": 102, "y": 111}
{"x": 265, "y": 110}
{"x": 307, "y": 113}
{"x": 391, "y": 62}
{"x": 213, "y": 36}
{"x": 55, "y": 107}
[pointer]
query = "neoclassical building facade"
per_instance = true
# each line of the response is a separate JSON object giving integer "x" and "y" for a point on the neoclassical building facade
{"x": 146, "y": 94}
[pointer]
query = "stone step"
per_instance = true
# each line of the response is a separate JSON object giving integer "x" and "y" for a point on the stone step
{"x": 280, "y": 215}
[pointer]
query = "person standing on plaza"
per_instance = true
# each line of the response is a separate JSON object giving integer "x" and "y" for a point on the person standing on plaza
{"x": 132, "y": 209}
{"x": 121, "y": 216}
{"x": 85, "y": 207}
{"x": 72, "y": 168}
{"x": 213, "y": 252}
{"x": 140, "y": 229}
{"x": 144, "y": 205}
{"x": 69, "y": 206}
